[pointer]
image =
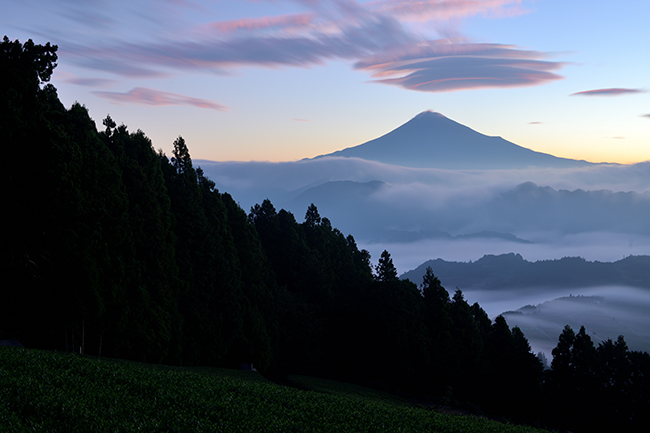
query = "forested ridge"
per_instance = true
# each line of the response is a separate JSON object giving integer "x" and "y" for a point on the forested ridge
{"x": 512, "y": 271}
{"x": 115, "y": 249}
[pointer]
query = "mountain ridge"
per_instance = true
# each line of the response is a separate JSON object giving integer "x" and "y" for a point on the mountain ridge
{"x": 512, "y": 271}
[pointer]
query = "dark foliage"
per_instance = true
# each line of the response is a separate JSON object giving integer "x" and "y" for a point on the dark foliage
{"x": 604, "y": 388}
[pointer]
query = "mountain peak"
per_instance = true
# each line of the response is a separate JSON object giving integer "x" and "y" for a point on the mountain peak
{"x": 429, "y": 114}
{"x": 432, "y": 140}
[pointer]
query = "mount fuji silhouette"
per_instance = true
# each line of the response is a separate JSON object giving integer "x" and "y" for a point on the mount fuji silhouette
{"x": 431, "y": 140}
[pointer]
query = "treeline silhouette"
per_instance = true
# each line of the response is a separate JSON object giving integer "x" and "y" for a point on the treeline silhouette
{"x": 111, "y": 248}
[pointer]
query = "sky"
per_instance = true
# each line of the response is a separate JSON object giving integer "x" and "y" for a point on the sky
{"x": 281, "y": 80}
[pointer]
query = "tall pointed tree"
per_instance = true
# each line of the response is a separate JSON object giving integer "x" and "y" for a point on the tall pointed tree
{"x": 385, "y": 270}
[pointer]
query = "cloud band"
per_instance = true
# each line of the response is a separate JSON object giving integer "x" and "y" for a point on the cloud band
{"x": 609, "y": 92}
{"x": 147, "y": 96}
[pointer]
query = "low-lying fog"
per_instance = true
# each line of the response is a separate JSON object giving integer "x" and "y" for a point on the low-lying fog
{"x": 605, "y": 312}
{"x": 599, "y": 213}
{"x": 617, "y": 310}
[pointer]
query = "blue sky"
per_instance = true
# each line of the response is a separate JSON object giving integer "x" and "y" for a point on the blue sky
{"x": 284, "y": 80}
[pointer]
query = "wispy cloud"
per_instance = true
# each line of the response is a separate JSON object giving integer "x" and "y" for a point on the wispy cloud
{"x": 300, "y": 120}
{"x": 535, "y": 123}
{"x": 91, "y": 82}
{"x": 377, "y": 37}
{"x": 423, "y": 10}
{"x": 146, "y": 96}
{"x": 609, "y": 92}
{"x": 646, "y": 115}
{"x": 67, "y": 77}
{"x": 290, "y": 21}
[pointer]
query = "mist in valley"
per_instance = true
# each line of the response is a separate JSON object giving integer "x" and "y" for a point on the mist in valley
{"x": 375, "y": 202}
{"x": 605, "y": 312}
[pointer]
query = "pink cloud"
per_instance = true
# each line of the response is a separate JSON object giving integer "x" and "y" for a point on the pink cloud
{"x": 608, "y": 92}
{"x": 145, "y": 96}
{"x": 252, "y": 24}
{"x": 646, "y": 115}
{"x": 445, "y": 66}
{"x": 425, "y": 10}
{"x": 300, "y": 120}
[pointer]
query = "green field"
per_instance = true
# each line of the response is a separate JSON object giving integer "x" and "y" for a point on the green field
{"x": 57, "y": 392}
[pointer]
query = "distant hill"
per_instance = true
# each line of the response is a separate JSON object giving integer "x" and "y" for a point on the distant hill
{"x": 492, "y": 272}
{"x": 431, "y": 140}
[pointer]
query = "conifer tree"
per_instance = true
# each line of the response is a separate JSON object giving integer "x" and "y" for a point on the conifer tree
{"x": 385, "y": 270}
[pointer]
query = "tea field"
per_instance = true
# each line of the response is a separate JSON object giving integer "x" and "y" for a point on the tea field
{"x": 44, "y": 391}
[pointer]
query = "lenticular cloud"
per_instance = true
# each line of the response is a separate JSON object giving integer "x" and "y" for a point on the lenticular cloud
{"x": 608, "y": 92}
{"x": 444, "y": 66}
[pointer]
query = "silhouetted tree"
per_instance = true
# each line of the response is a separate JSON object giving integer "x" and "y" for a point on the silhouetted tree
{"x": 147, "y": 311}
{"x": 312, "y": 217}
{"x": 261, "y": 329}
{"x": 438, "y": 322}
{"x": 385, "y": 270}
{"x": 467, "y": 349}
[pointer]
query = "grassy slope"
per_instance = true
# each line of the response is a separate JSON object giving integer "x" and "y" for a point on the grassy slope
{"x": 347, "y": 390}
{"x": 57, "y": 392}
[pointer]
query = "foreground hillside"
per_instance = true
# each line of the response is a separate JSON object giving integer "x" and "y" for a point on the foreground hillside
{"x": 55, "y": 392}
